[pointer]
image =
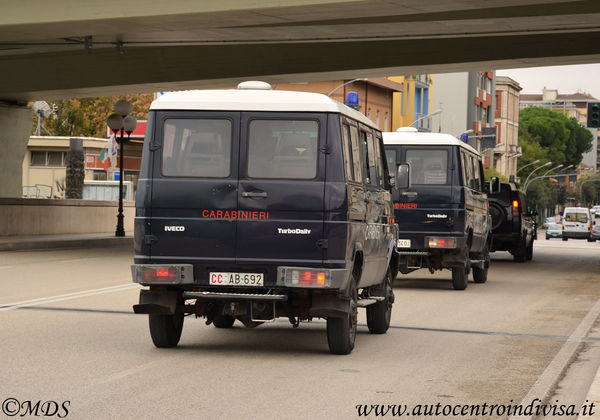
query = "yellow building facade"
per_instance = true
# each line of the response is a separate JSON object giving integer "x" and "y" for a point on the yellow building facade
{"x": 412, "y": 104}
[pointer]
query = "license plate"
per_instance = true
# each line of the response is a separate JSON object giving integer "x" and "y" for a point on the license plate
{"x": 236, "y": 279}
{"x": 403, "y": 243}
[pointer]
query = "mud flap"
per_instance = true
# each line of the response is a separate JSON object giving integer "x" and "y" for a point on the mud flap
{"x": 157, "y": 302}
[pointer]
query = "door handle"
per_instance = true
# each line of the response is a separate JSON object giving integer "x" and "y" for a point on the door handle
{"x": 254, "y": 194}
{"x": 410, "y": 193}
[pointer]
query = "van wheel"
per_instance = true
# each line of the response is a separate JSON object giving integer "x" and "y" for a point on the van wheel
{"x": 341, "y": 332}
{"x": 223, "y": 321}
{"x": 480, "y": 274}
{"x": 565, "y": 239}
{"x": 459, "y": 278}
{"x": 520, "y": 253}
{"x": 529, "y": 253}
{"x": 165, "y": 330}
{"x": 379, "y": 314}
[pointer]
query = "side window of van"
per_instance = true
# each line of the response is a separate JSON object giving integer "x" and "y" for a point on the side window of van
{"x": 465, "y": 172}
{"x": 468, "y": 168}
{"x": 347, "y": 146}
{"x": 356, "y": 159}
{"x": 477, "y": 181}
{"x": 283, "y": 149}
{"x": 390, "y": 155}
{"x": 372, "y": 161}
{"x": 196, "y": 148}
{"x": 380, "y": 161}
{"x": 365, "y": 158}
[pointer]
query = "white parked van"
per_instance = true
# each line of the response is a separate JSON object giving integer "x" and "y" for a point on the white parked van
{"x": 577, "y": 223}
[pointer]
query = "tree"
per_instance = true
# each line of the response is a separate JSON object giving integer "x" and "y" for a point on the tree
{"x": 86, "y": 117}
{"x": 551, "y": 137}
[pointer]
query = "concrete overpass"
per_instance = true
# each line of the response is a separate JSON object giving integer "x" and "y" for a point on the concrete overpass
{"x": 87, "y": 48}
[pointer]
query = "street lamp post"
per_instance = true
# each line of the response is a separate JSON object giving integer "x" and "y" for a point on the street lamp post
{"x": 551, "y": 169}
{"x": 121, "y": 121}
{"x": 529, "y": 164}
{"x": 436, "y": 112}
{"x": 532, "y": 172}
{"x": 360, "y": 79}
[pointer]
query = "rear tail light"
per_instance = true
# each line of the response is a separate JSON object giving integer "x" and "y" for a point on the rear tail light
{"x": 167, "y": 275}
{"x": 162, "y": 274}
{"x": 515, "y": 207}
{"x": 306, "y": 277}
{"x": 441, "y": 242}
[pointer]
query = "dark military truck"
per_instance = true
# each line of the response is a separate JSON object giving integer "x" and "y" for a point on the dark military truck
{"x": 440, "y": 204}
{"x": 513, "y": 224}
{"x": 255, "y": 204}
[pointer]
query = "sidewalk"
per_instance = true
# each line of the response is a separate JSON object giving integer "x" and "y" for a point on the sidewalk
{"x": 83, "y": 240}
{"x": 593, "y": 396}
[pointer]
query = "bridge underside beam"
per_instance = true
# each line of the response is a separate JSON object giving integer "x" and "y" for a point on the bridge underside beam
{"x": 146, "y": 69}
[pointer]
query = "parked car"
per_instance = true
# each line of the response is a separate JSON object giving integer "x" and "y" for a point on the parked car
{"x": 255, "y": 204}
{"x": 550, "y": 220}
{"x": 577, "y": 224}
{"x": 554, "y": 230}
{"x": 595, "y": 235}
{"x": 513, "y": 224}
{"x": 595, "y": 209}
{"x": 440, "y": 204}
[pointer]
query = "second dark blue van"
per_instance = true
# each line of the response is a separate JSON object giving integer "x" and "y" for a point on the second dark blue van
{"x": 440, "y": 204}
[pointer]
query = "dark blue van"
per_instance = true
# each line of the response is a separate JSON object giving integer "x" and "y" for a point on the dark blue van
{"x": 255, "y": 204}
{"x": 441, "y": 205}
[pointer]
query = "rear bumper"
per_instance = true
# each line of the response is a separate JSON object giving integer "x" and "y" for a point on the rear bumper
{"x": 336, "y": 279}
{"x": 575, "y": 234}
{"x": 436, "y": 258}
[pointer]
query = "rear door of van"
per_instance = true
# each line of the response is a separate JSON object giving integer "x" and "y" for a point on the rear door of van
{"x": 281, "y": 189}
{"x": 194, "y": 187}
{"x": 430, "y": 206}
{"x": 576, "y": 221}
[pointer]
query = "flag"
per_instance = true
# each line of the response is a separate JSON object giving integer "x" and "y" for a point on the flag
{"x": 109, "y": 153}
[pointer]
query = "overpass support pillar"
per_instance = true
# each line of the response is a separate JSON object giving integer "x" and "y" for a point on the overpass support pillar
{"x": 15, "y": 129}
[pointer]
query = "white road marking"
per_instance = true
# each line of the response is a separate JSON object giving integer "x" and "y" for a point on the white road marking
{"x": 67, "y": 296}
{"x": 553, "y": 372}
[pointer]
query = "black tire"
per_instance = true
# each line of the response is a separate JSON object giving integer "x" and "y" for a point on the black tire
{"x": 565, "y": 239}
{"x": 498, "y": 215}
{"x": 341, "y": 332}
{"x": 459, "y": 278}
{"x": 480, "y": 274}
{"x": 547, "y": 237}
{"x": 529, "y": 252}
{"x": 379, "y": 314}
{"x": 165, "y": 330}
{"x": 223, "y": 321}
{"x": 520, "y": 254}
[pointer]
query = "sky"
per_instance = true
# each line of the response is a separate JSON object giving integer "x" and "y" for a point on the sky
{"x": 567, "y": 79}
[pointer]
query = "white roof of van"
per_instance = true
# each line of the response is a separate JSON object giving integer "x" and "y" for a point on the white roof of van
{"x": 254, "y": 100}
{"x": 414, "y": 138}
{"x": 576, "y": 210}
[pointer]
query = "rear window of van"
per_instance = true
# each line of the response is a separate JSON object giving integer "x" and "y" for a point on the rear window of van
{"x": 576, "y": 217}
{"x": 283, "y": 149}
{"x": 196, "y": 148}
{"x": 428, "y": 166}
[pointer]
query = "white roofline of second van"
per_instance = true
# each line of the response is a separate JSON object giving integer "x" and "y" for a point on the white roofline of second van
{"x": 255, "y": 100}
{"x": 417, "y": 138}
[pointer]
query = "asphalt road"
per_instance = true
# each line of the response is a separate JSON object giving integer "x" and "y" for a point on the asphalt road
{"x": 68, "y": 335}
